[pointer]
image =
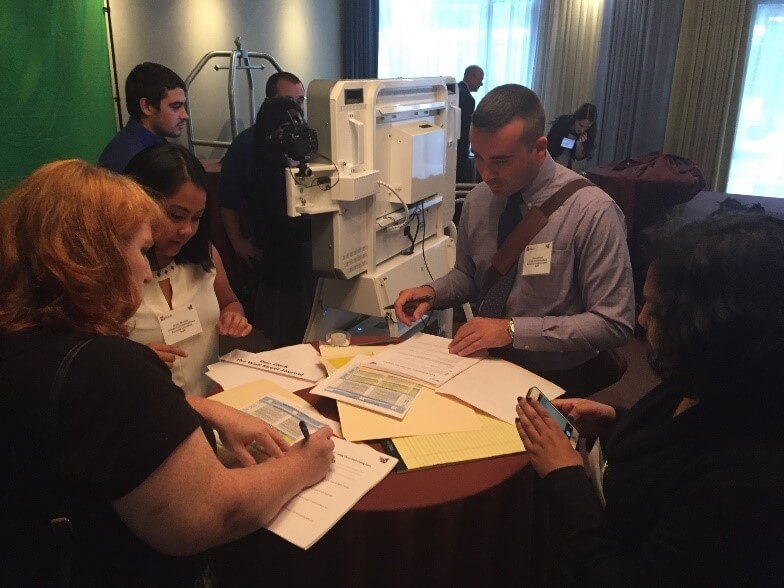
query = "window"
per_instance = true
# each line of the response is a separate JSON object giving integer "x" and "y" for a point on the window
{"x": 419, "y": 38}
{"x": 755, "y": 164}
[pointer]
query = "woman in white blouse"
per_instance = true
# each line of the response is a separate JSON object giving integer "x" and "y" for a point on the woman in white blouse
{"x": 189, "y": 301}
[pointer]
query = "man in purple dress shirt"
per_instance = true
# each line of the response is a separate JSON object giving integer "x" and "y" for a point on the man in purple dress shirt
{"x": 571, "y": 294}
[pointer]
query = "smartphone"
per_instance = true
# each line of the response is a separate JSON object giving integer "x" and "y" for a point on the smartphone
{"x": 567, "y": 427}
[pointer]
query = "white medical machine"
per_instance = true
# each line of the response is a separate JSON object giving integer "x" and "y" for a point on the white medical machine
{"x": 380, "y": 195}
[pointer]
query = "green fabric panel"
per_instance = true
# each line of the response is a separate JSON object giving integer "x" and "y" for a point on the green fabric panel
{"x": 55, "y": 84}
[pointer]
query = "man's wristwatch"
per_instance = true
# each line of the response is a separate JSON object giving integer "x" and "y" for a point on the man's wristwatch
{"x": 510, "y": 329}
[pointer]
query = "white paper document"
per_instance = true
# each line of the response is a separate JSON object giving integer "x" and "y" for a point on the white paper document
{"x": 296, "y": 361}
{"x": 315, "y": 510}
{"x": 358, "y": 384}
{"x": 493, "y": 385}
{"x": 231, "y": 375}
{"x": 424, "y": 358}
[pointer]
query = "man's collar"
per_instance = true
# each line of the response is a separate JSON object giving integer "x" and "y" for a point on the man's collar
{"x": 143, "y": 134}
{"x": 544, "y": 177}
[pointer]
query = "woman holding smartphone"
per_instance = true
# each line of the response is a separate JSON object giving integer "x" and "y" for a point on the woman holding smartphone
{"x": 107, "y": 474}
{"x": 693, "y": 479}
{"x": 189, "y": 282}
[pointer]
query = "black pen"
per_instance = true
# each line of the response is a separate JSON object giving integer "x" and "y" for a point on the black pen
{"x": 413, "y": 302}
{"x": 304, "y": 428}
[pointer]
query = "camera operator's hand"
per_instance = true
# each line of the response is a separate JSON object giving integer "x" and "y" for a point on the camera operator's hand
{"x": 412, "y": 303}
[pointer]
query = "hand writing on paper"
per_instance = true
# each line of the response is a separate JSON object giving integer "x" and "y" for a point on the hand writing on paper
{"x": 413, "y": 303}
{"x": 315, "y": 454}
{"x": 480, "y": 333}
{"x": 233, "y": 324}
{"x": 167, "y": 353}
{"x": 544, "y": 440}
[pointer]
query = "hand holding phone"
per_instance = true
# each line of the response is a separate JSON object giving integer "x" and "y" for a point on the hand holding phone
{"x": 563, "y": 423}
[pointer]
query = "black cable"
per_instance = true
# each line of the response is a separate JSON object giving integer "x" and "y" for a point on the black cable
{"x": 424, "y": 238}
{"x": 407, "y": 232}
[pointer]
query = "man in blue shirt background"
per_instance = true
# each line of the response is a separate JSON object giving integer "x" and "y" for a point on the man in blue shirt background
{"x": 155, "y": 98}
{"x": 238, "y": 172}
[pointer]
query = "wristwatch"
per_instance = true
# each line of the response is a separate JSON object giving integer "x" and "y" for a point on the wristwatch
{"x": 510, "y": 329}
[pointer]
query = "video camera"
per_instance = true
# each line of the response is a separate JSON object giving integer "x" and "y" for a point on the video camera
{"x": 296, "y": 140}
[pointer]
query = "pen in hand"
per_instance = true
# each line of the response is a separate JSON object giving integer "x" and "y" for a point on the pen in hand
{"x": 304, "y": 428}
{"x": 410, "y": 305}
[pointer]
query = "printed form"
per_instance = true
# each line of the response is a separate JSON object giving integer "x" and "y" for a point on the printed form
{"x": 315, "y": 510}
{"x": 424, "y": 358}
{"x": 358, "y": 384}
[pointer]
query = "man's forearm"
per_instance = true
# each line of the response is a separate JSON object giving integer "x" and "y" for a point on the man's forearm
{"x": 231, "y": 222}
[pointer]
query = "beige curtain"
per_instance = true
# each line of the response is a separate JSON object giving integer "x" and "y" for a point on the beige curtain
{"x": 568, "y": 42}
{"x": 705, "y": 96}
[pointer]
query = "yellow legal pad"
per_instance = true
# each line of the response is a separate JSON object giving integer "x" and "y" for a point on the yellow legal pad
{"x": 494, "y": 438}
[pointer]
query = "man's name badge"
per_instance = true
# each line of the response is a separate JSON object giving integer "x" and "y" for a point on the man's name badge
{"x": 180, "y": 324}
{"x": 537, "y": 258}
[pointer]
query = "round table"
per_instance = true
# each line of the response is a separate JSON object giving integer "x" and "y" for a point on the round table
{"x": 454, "y": 525}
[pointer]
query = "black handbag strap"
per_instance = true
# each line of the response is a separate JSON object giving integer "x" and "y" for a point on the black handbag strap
{"x": 57, "y": 383}
{"x": 61, "y": 525}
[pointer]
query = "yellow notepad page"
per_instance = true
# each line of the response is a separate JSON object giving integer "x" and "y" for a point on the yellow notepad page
{"x": 494, "y": 438}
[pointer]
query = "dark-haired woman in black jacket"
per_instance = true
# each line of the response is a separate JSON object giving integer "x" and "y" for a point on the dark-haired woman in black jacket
{"x": 572, "y": 137}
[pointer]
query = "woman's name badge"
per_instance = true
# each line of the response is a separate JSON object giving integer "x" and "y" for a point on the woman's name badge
{"x": 180, "y": 324}
{"x": 537, "y": 258}
{"x": 596, "y": 468}
{"x": 567, "y": 143}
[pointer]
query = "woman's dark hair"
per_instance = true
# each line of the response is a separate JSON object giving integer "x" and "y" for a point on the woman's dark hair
{"x": 587, "y": 111}
{"x": 161, "y": 170}
{"x": 719, "y": 287}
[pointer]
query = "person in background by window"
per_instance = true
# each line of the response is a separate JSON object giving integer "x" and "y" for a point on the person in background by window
{"x": 572, "y": 137}
{"x": 188, "y": 274}
{"x": 472, "y": 81}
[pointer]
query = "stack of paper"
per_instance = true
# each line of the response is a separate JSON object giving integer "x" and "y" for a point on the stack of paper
{"x": 378, "y": 399}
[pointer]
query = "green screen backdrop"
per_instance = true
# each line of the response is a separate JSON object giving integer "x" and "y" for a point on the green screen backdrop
{"x": 55, "y": 86}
